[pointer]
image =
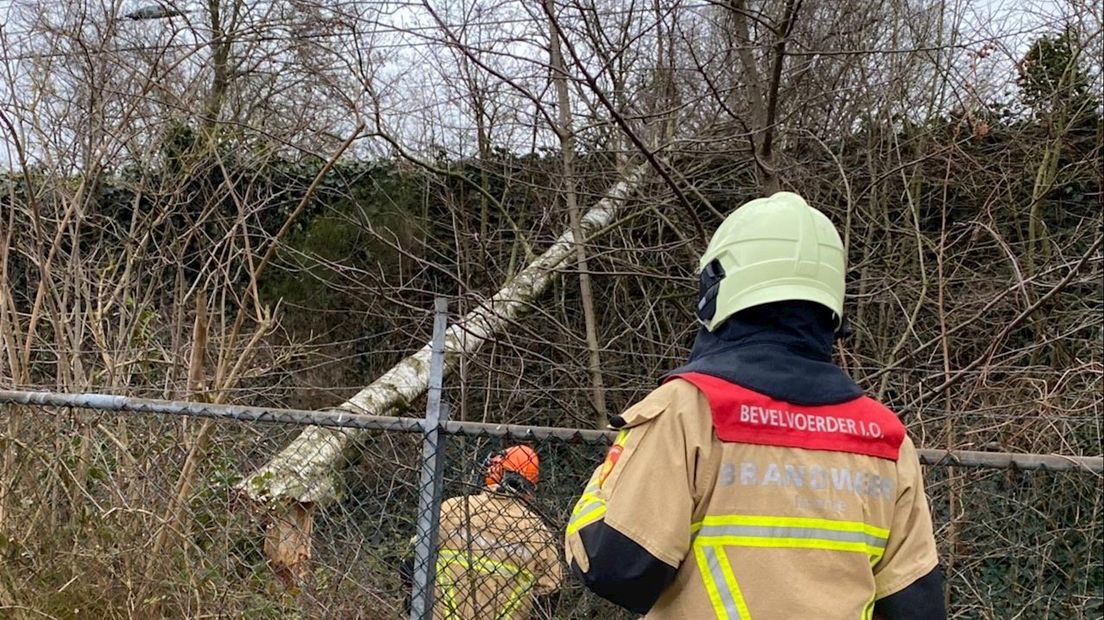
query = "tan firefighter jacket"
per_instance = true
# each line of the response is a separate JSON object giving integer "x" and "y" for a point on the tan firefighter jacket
{"x": 755, "y": 530}
{"x": 494, "y": 557}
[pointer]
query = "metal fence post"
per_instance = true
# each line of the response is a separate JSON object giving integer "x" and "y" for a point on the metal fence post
{"x": 429, "y": 496}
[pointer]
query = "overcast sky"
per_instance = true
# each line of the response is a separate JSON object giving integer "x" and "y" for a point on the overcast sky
{"x": 414, "y": 62}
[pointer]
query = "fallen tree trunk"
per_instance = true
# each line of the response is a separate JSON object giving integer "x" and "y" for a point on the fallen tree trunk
{"x": 308, "y": 472}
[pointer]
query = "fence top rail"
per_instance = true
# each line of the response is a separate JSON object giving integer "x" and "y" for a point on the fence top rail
{"x": 341, "y": 418}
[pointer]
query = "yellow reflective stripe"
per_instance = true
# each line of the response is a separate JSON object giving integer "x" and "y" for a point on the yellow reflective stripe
{"x": 802, "y": 522}
{"x": 515, "y": 599}
{"x": 484, "y": 565}
{"x": 451, "y": 610}
{"x": 710, "y": 584}
{"x": 588, "y": 498}
{"x": 714, "y": 533}
{"x": 772, "y": 531}
{"x": 793, "y": 533}
{"x": 590, "y": 513}
{"x": 479, "y": 563}
{"x": 868, "y": 611}
{"x": 720, "y": 582}
{"x": 717, "y": 560}
{"x": 590, "y": 507}
{"x": 876, "y": 556}
{"x": 792, "y": 543}
{"x": 730, "y": 583}
{"x": 585, "y": 502}
{"x": 587, "y": 510}
{"x": 448, "y": 589}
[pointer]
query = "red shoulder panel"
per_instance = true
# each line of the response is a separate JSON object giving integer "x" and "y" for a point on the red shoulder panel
{"x": 860, "y": 426}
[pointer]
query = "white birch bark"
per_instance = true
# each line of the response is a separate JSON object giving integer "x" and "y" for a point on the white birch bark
{"x": 308, "y": 470}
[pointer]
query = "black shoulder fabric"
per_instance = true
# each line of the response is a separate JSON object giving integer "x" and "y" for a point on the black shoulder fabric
{"x": 781, "y": 349}
{"x": 922, "y": 600}
{"x": 622, "y": 571}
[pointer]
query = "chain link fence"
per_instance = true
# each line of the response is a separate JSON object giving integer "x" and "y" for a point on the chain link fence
{"x": 119, "y": 515}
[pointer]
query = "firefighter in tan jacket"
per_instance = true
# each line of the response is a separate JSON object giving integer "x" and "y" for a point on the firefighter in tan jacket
{"x": 496, "y": 558}
{"x": 758, "y": 482}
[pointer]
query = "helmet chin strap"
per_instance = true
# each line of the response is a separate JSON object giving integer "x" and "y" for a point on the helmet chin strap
{"x": 709, "y": 286}
{"x": 488, "y": 467}
{"x": 515, "y": 482}
{"x": 844, "y": 331}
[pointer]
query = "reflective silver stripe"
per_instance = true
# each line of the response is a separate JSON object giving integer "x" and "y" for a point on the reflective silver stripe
{"x": 764, "y": 531}
{"x": 728, "y": 597}
{"x": 587, "y": 509}
{"x": 585, "y": 514}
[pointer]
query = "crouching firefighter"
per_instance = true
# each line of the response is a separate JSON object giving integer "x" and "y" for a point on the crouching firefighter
{"x": 496, "y": 558}
{"x": 758, "y": 482}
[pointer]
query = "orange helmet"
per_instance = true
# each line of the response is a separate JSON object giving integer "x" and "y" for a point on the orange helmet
{"x": 519, "y": 460}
